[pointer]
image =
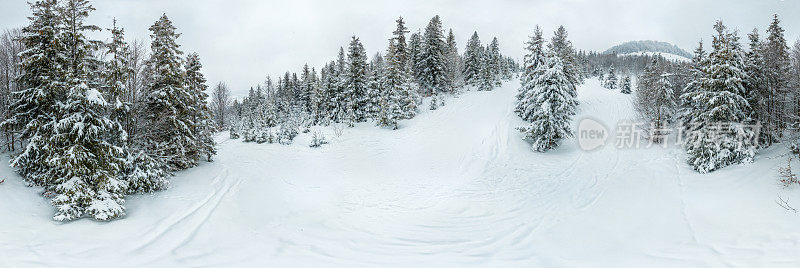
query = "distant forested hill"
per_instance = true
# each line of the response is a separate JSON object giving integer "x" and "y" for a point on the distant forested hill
{"x": 648, "y": 46}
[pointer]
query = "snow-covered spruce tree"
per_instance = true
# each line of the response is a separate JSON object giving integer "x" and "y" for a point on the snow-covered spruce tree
{"x": 534, "y": 57}
{"x": 399, "y": 37}
{"x": 375, "y": 86}
{"x": 550, "y": 105}
{"x": 486, "y": 74}
{"x": 611, "y": 79}
{"x": 356, "y": 81}
{"x": 318, "y": 100}
{"x": 415, "y": 45}
{"x": 655, "y": 99}
{"x": 339, "y": 98}
{"x": 399, "y": 81}
{"x": 473, "y": 60}
{"x": 290, "y": 124}
{"x": 759, "y": 93}
{"x": 432, "y": 65}
{"x": 718, "y": 104}
{"x": 116, "y": 72}
{"x": 494, "y": 61}
{"x": 33, "y": 105}
{"x": 306, "y": 88}
{"x": 696, "y": 72}
{"x": 202, "y": 126}
{"x": 169, "y": 137}
{"x": 389, "y": 111}
{"x": 84, "y": 164}
{"x": 140, "y": 171}
{"x": 626, "y": 85}
{"x": 454, "y": 64}
{"x": 562, "y": 48}
{"x": 328, "y": 104}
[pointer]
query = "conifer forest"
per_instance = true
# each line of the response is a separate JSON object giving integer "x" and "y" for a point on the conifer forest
{"x": 399, "y": 134}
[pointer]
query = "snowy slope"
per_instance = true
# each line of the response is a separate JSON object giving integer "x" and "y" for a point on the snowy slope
{"x": 453, "y": 187}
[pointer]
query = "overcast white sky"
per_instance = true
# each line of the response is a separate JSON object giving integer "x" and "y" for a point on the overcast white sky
{"x": 242, "y": 41}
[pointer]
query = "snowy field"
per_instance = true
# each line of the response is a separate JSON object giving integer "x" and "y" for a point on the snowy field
{"x": 452, "y": 187}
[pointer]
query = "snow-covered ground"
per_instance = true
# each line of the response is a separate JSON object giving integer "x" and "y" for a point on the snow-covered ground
{"x": 453, "y": 187}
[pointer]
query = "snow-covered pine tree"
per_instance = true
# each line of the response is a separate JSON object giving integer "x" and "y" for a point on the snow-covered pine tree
{"x": 473, "y": 60}
{"x": 356, "y": 81}
{"x": 399, "y": 37}
{"x": 399, "y": 86}
{"x": 432, "y": 65}
{"x": 719, "y": 107}
{"x": 655, "y": 99}
{"x": 759, "y": 93}
{"x": 116, "y": 72}
{"x": 486, "y": 74}
{"x": 534, "y": 57}
{"x": 43, "y": 66}
{"x": 494, "y": 61}
{"x": 389, "y": 111}
{"x": 562, "y": 47}
{"x": 454, "y": 63}
{"x": 330, "y": 92}
{"x": 202, "y": 126}
{"x": 611, "y": 79}
{"x": 626, "y": 85}
{"x": 317, "y": 100}
{"x": 140, "y": 171}
{"x": 168, "y": 136}
{"x": 375, "y": 87}
{"x": 340, "y": 99}
{"x": 696, "y": 72}
{"x": 550, "y": 105}
{"x": 414, "y": 55}
{"x": 306, "y": 88}
{"x": 84, "y": 164}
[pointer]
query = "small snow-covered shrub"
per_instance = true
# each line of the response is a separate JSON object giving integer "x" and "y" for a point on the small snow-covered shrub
{"x": 795, "y": 147}
{"x": 266, "y": 136}
{"x": 338, "y": 129}
{"x": 317, "y": 139}
{"x": 434, "y": 104}
{"x": 234, "y": 133}
{"x": 787, "y": 176}
{"x": 286, "y": 134}
{"x": 250, "y": 135}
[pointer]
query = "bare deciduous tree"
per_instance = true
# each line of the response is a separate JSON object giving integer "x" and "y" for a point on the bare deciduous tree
{"x": 10, "y": 47}
{"x": 220, "y": 101}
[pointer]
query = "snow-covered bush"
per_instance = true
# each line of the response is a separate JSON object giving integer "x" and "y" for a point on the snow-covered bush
{"x": 234, "y": 133}
{"x": 787, "y": 176}
{"x": 286, "y": 134}
{"x": 317, "y": 139}
{"x": 434, "y": 104}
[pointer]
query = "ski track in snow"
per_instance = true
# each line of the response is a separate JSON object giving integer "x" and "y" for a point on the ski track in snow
{"x": 455, "y": 187}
